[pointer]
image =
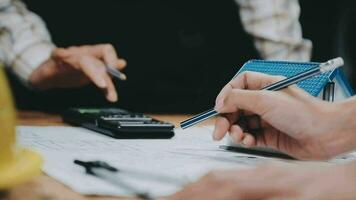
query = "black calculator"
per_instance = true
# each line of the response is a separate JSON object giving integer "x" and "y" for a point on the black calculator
{"x": 119, "y": 123}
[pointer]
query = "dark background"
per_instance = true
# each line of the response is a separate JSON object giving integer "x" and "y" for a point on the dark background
{"x": 194, "y": 47}
{"x": 331, "y": 25}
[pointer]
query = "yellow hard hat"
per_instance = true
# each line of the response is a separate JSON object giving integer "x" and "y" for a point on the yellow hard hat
{"x": 16, "y": 164}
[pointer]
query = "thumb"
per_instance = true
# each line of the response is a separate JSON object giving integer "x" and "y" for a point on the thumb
{"x": 255, "y": 101}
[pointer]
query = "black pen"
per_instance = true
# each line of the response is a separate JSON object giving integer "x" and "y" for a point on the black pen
{"x": 258, "y": 151}
{"x": 322, "y": 68}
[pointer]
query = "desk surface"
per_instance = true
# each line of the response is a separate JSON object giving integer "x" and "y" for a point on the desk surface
{"x": 46, "y": 188}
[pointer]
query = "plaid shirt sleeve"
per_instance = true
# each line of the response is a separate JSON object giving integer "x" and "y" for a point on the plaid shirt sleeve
{"x": 274, "y": 24}
{"x": 24, "y": 40}
{"x": 275, "y": 28}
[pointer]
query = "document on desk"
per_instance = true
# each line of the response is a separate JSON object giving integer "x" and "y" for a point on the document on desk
{"x": 188, "y": 156}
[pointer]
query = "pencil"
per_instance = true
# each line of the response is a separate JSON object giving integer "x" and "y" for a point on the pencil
{"x": 322, "y": 68}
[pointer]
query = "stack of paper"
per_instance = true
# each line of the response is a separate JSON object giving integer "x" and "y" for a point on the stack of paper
{"x": 188, "y": 156}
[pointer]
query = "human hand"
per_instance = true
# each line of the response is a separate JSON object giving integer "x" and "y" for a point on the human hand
{"x": 77, "y": 66}
{"x": 289, "y": 120}
{"x": 275, "y": 180}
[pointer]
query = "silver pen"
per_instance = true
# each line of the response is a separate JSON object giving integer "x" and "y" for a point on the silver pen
{"x": 115, "y": 72}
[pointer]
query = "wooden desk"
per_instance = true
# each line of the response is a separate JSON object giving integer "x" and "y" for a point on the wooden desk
{"x": 46, "y": 188}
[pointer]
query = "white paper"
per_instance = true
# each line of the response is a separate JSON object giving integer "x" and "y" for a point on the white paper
{"x": 188, "y": 156}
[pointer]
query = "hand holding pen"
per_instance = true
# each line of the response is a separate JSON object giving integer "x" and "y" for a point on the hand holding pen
{"x": 78, "y": 66}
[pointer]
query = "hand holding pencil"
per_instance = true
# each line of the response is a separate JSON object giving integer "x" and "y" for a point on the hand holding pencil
{"x": 322, "y": 68}
{"x": 289, "y": 120}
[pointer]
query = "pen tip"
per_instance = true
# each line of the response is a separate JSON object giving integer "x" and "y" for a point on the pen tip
{"x": 123, "y": 77}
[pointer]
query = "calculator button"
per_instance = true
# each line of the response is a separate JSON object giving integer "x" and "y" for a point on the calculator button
{"x": 125, "y": 118}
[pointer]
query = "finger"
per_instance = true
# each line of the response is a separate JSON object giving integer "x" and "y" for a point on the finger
{"x": 230, "y": 119}
{"x": 239, "y": 99}
{"x": 254, "y": 80}
{"x": 222, "y": 125}
{"x": 105, "y": 52}
{"x": 111, "y": 94}
{"x": 110, "y": 91}
{"x": 121, "y": 63}
{"x": 247, "y": 80}
{"x": 95, "y": 70}
{"x": 236, "y": 133}
{"x": 108, "y": 53}
{"x": 298, "y": 93}
{"x": 249, "y": 140}
{"x": 219, "y": 102}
